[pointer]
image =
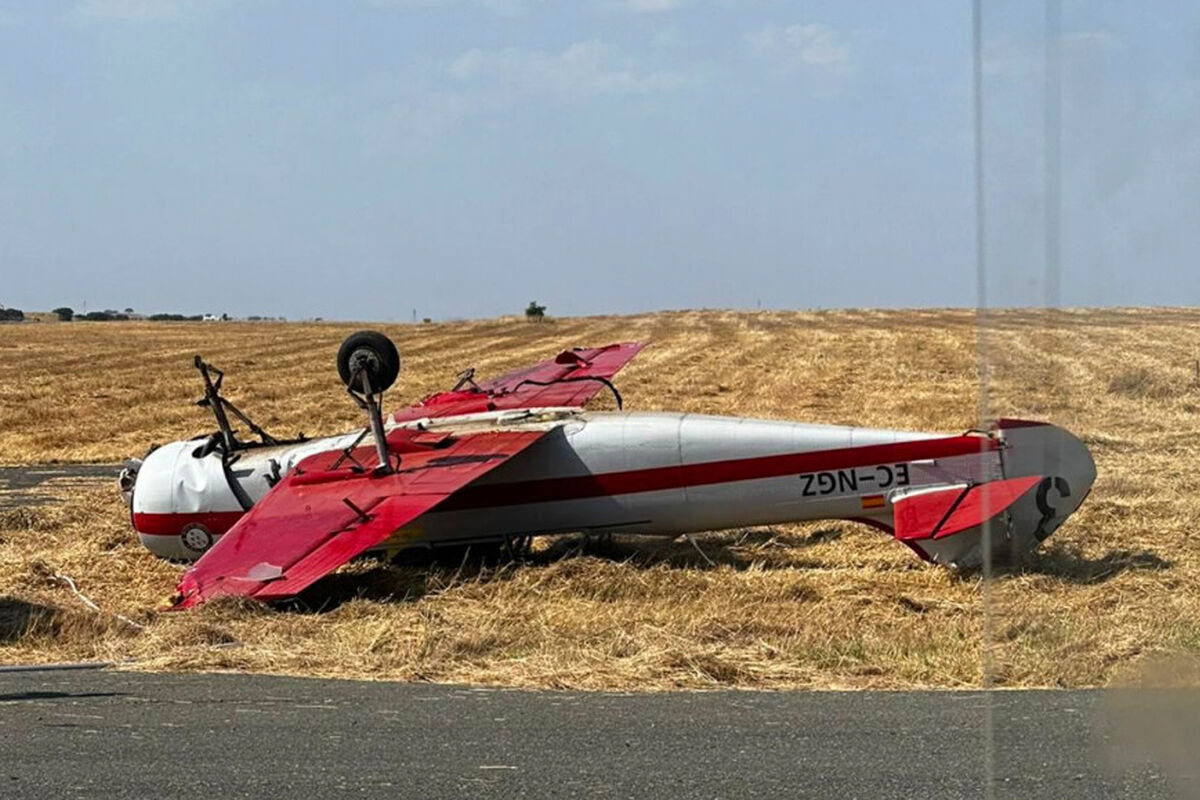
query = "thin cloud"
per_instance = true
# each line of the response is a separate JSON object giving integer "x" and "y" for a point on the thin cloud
{"x": 505, "y": 7}
{"x": 418, "y": 125}
{"x": 802, "y": 46}
{"x": 481, "y": 84}
{"x": 1091, "y": 40}
{"x": 653, "y": 6}
{"x": 134, "y": 10}
{"x": 584, "y": 68}
{"x": 1007, "y": 58}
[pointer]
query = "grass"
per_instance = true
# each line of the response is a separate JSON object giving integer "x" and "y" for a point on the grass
{"x": 823, "y": 605}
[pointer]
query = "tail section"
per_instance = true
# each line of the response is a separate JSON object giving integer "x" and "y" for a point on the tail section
{"x": 1046, "y": 475}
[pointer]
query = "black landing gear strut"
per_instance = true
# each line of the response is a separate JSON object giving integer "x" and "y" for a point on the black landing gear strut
{"x": 368, "y": 364}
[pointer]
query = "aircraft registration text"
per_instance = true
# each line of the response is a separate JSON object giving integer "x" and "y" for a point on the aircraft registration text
{"x": 847, "y": 481}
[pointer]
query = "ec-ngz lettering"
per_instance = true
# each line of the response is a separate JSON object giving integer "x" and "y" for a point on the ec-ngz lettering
{"x": 846, "y": 481}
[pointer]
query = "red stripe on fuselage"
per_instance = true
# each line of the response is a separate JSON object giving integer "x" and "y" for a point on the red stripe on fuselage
{"x": 655, "y": 479}
{"x": 215, "y": 522}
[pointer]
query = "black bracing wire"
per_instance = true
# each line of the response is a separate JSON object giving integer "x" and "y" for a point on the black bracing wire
{"x": 612, "y": 388}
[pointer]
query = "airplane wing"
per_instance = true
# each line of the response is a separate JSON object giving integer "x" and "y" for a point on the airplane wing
{"x": 569, "y": 379}
{"x": 330, "y": 508}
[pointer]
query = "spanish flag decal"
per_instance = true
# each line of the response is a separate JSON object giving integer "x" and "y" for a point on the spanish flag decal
{"x": 872, "y": 501}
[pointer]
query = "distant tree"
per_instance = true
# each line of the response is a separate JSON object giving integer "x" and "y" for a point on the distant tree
{"x": 11, "y": 314}
{"x": 64, "y": 314}
{"x": 225, "y": 318}
{"x": 426, "y": 320}
{"x": 535, "y": 312}
{"x": 129, "y": 311}
{"x": 108, "y": 315}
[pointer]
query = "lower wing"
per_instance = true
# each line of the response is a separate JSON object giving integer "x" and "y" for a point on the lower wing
{"x": 329, "y": 509}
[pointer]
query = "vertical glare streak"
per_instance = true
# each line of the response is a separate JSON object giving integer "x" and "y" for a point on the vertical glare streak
{"x": 1053, "y": 158}
{"x": 981, "y": 343}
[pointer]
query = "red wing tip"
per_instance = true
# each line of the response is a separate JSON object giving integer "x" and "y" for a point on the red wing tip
{"x": 575, "y": 354}
{"x": 1008, "y": 424}
{"x": 614, "y": 346}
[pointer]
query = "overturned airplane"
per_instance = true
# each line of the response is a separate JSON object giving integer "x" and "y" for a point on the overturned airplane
{"x": 518, "y": 456}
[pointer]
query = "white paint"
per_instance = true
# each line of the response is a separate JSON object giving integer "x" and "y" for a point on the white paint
{"x": 174, "y": 480}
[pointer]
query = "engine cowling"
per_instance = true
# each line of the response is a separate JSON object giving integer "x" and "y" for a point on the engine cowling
{"x": 181, "y": 502}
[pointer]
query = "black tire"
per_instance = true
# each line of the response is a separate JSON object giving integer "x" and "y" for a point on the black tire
{"x": 373, "y": 352}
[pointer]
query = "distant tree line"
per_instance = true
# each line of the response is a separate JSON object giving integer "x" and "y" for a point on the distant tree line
{"x": 67, "y": 314}
{"x": 534, "y": 312}
{"x": 175, "y": 317}
{"x": 11, "y": 314}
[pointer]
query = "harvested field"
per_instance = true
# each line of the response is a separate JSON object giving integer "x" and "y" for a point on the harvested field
{"x": 823, "y": 605}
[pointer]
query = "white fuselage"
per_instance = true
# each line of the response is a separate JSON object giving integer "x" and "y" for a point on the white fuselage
{"x": 649, "y": 473}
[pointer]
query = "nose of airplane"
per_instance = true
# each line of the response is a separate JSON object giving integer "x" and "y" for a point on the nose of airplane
{"x": 182, "y": 501}
{"x": 152, "y": 503}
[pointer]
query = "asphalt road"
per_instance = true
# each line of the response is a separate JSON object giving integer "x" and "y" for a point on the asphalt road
{"x": 126, "y": 735}
{"x": 37, "y": 484}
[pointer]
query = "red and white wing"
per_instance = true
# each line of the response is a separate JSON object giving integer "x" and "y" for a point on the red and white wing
{"x": 569, "y": 379}
{"x": 328, "y": 510}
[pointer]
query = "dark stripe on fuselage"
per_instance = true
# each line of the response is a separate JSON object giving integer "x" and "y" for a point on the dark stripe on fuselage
{"x": 581, "y": 487}
{"x": 654, "y": 479}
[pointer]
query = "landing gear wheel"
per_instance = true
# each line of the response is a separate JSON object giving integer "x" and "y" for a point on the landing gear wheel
{"x": 196, "y": 538}
{"x": 370, "y": 351}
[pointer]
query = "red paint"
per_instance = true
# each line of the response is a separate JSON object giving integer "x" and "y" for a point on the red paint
{"x": 390, "y": 515}
{"x": 215, "y": 522}
{"x": 1008, "y": 424}
{"x": 711, "y": 472}
{"x": 301, "y": 530}
{"x": 561, "y": 381}
{"x": 945, "y": 512}
{"x": 585, "y": 486}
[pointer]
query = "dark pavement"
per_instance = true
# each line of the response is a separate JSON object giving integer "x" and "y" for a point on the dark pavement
{"x": 92, "y": 733}
{"x": 38, "y": 484}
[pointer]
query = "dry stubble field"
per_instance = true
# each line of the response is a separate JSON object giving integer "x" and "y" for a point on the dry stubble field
{"x": 827, "y": 605}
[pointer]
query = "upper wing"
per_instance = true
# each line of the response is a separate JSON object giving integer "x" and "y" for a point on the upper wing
{"x": 569, "y": 379}
{"x": 328, "y": 510}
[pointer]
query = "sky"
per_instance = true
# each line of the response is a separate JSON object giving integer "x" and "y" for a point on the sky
{"x": 379, "y": 159}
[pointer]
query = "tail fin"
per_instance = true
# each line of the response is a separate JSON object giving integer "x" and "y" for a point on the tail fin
{"x": 1047, "y": 473}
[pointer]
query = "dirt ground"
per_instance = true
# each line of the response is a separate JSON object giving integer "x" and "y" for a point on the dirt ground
{"x": 825, "y": 605}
